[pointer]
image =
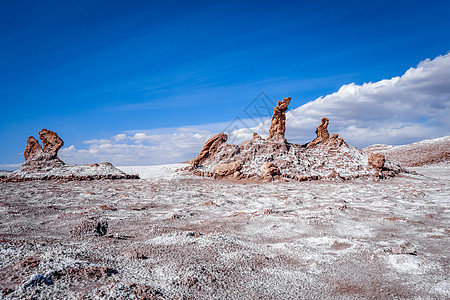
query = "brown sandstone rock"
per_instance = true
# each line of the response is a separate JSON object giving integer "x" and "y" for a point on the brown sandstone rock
{"x": 278, "y": 125}
{"x": 224, "y": 170}
{"x": 376, "y": 160}
{"x": 51, "y": 142}
{"x": 44, "y": 164}
{"x": 325, "y": 158}
{"x": 209, "y": 148}
{"x": 322, "y": 133}
{"x": 256, "y": 136}
{"x": 33, "y": 149}
{"x": 269, "y": 169}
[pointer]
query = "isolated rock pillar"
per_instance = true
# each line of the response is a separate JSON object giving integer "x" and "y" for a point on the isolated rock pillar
{"x": 278, "y": 125}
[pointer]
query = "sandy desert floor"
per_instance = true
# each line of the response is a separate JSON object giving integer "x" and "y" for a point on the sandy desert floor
{"x": 177, "y": 236}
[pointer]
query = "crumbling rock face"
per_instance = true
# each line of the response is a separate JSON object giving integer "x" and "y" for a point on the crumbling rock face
{"x": 269, "y": 169}
{"x": 278, "y": 125}
{"x": 40, "y": 159}
{"x": 33, "y": 149}
{"x": 227, "y": 169}
{"x": 325, "y": 158}
{"x": 51, "y": 142}
{"x": 322, "y": 133}
{"x": 256, "y": 136}
{"x": 376, "y": 160}
{"x": 209, "y": 149}
{"x": 43, "y": 163}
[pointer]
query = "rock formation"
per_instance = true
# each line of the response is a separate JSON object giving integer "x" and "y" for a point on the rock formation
{"x": 227, "y": 169}
{"x": 256, "y": 136}
{"x": 325, "y": 158}
{"x": 376, "y": 160}
{"x": 278, "y": 125}
{"x": 43, "y": 163}
{"x": 269, "y": 169}
{"x": 33, "y": 149}
{"x": 322, "y": 133}
{"x": 51, "y": 142}
{"x": 209, "y": 149}
{"x": 44, "y": 157}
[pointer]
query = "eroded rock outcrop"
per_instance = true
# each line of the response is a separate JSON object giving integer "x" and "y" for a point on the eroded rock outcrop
{"x": 43, "y": 163}
{"x": 326, "y": 158}
{"x": 376, "y": 160}
{"x": 427, "y": 152}
{"x": 209, "y": 149}
{"x": 227, "y": 169}
{"x": 33, "y": 149}
{"x": 278, "y": 125}
{"x": 41, "y": 158}
{"x": 51, "y": 142}
{"x": 322, "y": 133}
{"x": 269, "y": 169}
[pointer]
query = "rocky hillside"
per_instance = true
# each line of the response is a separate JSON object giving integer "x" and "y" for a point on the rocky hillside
{"x": 417, "y": 154}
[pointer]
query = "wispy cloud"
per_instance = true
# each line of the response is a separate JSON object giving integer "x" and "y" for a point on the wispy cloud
{"x": 231, "y": 93}
{"x": 399, "y": 110}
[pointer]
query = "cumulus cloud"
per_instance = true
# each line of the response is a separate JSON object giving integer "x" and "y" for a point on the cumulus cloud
{"x": 399, "y": 110}
{"x": 120, "y": 137}
{"x": 140, "y": 148}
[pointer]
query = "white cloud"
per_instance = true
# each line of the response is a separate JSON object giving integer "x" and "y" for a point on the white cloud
{"x": 141, "y": 148}
{"x": 399, "y": 110}
{"x": 97, "y": 141}
{"x": 120, "y": 137}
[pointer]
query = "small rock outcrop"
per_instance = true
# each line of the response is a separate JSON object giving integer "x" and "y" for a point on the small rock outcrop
{"x": 227, "y": 169}
{"x": 427, "y": 152}
{"x": 256, "y": 136}
{"x": 269, "y": 169}
{"x": 376, "y": 161}
{"x": 324, "y": 158}
{"x": 43, "y": 163}
{"x": 209, "y": 149}
{"x": 33, "y": 149}
{"x": 322, "y": 133}
{"x": 278, "y": 125}
{"x": 39, "y": 158}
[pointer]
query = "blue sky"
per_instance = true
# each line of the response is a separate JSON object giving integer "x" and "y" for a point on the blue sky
{"x": 93, "y": 70}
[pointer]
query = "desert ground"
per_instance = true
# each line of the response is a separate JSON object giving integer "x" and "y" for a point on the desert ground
{"x": 171, "y": 235}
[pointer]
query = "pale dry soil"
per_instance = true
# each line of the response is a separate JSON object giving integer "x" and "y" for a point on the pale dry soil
{"x": 184, "y": 237}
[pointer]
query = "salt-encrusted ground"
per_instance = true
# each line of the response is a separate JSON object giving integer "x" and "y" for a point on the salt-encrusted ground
{"x": 175, "y": 236}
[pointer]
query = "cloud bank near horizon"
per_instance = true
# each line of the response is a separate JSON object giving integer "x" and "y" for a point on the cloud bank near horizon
{"x": 400, "y": 110}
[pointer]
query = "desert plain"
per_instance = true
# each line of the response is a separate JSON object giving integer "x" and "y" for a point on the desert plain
{"x": 172, "y": 235}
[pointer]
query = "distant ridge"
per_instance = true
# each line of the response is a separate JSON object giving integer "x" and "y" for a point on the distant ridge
{"x": 417, "y": 154}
